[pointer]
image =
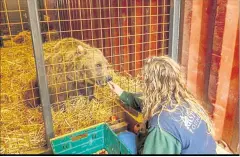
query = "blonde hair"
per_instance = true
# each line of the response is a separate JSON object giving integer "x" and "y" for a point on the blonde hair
{"x": 164, "y": 85}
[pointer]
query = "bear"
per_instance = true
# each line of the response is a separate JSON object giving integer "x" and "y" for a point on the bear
{"x": 72, "y": 69}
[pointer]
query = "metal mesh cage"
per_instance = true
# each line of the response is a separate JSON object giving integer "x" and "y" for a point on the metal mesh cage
{"x": 116, "y": 37}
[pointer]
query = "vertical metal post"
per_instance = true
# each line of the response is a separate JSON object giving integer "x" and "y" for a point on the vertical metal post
{"x": 174, "y": 29}
{"x": 41, "y": 73}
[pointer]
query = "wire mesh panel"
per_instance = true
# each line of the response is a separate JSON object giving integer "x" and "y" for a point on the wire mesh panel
{"x": 22, "y": 128}
{"x": 114, "y": 38}
{"x": 119, "y": 28}
{"x": 76, "y": 67}
{"x": 84, "y": 42}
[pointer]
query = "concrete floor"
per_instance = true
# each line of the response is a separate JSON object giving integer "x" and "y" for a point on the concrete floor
{"x": 221, "y": 150}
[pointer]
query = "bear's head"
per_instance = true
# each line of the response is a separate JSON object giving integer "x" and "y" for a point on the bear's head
{"x": 92, "y": 64}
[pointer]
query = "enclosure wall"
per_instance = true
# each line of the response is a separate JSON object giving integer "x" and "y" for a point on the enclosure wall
{"x": 210, "y": 58}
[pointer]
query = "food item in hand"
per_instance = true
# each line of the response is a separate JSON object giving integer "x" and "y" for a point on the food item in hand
{"x": 108, "y": 78}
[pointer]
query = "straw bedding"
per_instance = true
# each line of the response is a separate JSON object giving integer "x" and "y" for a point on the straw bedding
{"x": 22, "y": 128}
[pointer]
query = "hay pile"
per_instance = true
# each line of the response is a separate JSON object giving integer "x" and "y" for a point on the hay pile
{"x": 22, "y": 128}
{"x": 17, "y": 69}
{"x": 23, "y": 37}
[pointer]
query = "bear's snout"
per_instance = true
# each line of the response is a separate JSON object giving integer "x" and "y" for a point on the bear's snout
{"x": 108, "y": 79}
{"x": 102, "y": 82}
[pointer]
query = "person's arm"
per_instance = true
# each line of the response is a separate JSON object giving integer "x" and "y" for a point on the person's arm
{"x": 127, "y": 98}
{"x": 159, "y": 141}
{"x": 131, "y": 100}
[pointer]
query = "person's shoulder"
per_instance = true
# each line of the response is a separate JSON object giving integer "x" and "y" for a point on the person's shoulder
{"x": 160, "y": 141}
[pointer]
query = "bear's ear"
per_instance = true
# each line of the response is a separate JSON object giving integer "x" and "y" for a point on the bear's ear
{"x": 80, "y": 50}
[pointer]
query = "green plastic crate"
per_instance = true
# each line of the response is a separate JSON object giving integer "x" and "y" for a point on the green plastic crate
{"x": 89, "y": 141}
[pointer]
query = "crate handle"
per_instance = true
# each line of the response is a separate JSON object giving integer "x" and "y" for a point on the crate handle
{"x": 78, "y": 137}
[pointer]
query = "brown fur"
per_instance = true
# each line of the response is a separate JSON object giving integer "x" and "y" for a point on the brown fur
{"x": 72, "y": 69}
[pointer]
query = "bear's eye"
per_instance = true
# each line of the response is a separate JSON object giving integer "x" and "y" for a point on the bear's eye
{"x": 98, "y": 65}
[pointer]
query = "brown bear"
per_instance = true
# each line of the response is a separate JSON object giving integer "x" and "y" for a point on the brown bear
{"x": 72, "y": 69}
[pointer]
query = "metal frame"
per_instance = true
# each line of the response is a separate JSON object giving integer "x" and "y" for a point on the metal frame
{"x": 175, "y": 12}
{"x": 40, "y": 67}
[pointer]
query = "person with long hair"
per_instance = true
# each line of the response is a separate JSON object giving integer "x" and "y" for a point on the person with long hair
{"x": 174, "y": 121}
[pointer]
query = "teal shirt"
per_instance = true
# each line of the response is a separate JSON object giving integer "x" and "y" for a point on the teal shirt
{"x": 157, "y": 141}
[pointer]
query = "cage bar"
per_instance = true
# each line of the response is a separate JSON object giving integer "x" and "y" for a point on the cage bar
{"x": 174, "y": 29}
{"x": 42, "y": 80}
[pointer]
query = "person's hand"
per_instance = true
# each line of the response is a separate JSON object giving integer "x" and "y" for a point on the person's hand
{"x": 115, "y": 88}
